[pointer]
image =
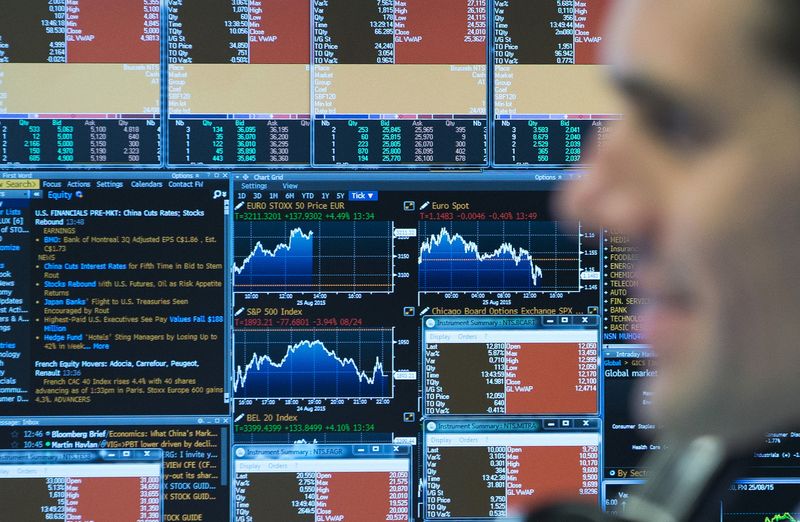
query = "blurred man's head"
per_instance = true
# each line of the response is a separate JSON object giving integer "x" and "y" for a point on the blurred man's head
{"x": 705, "y": 173}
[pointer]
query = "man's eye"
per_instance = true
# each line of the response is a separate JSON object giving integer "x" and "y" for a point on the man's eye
{"x": 680, "y": 129}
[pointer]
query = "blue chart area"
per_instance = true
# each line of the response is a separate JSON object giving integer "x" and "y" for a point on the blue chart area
{"x": 314, "y": 364}
{"x": 498, "y": 256}
{"x": 314, "y": 256}
{"x": 762, "y": 500}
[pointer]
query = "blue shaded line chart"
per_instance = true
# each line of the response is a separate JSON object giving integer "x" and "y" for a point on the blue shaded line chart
{"x": 498, "y": 256}
{"x": 314, "y": 364}
{"x": 315, "y": 256}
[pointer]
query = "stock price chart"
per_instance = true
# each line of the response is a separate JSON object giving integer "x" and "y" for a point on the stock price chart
{"x": 322, "y": 364}
{"x": 318, "y": 256}
{"x": 528, "y": 257}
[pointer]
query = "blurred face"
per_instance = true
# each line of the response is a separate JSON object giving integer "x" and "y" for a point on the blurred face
{"x": 704, "y": 172}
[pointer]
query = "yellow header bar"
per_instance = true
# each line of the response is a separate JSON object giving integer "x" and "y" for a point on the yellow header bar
{"x": 19, "y": 184}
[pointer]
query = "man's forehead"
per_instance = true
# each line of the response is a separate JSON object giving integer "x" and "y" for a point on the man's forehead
{"x": 684, "y": 40}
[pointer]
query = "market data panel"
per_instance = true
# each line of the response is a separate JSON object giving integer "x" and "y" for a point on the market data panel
{"x": 329, "y": 297}
{"x": 80, "y": 82}
{"x": 767, "y": 485}
{"x": 335, "y": 278}
{"x": 113, "y": 296}
{"x": 550, "y": 94}
{"x": 628, "y": 375}
{"x": 239, "y": 82}
{"x": 623, "y": 300}
{"x": 400, "y": 82}
{"x": 314, "y": 483}
{"x": 511, "y": 365}
{"x": 192, "y": 452}
{"x": 81, "y": 485}
{"x": 485, "y": 469}
{"x": 626, "y": 371}
{"x": 766, "y": 499}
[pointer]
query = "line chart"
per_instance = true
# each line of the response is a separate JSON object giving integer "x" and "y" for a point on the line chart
{"x": 761, "y": 500}
{"x": 314, "y": 364}
{"x": 785, "y": 517}
{"x": 314, "y": 256}
{"x": 502, "y": 256}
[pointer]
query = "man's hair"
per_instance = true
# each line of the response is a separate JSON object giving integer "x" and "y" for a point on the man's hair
{"x": 784, "y": 33}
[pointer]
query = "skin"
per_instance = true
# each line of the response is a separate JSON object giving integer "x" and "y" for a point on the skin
{"x": 704, "y": 174}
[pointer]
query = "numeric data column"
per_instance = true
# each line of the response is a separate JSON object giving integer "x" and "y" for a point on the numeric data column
{"x": 550, "y": 95}
{"x": 239, "y": 82}
{"x": 400, "y": 82}
{"x": 80, "y": 82}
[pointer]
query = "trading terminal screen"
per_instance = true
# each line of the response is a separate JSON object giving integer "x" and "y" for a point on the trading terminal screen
{"x": 296, "y": 260}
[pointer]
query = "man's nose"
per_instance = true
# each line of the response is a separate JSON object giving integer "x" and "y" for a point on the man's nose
{"x": 616, "y": 192}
